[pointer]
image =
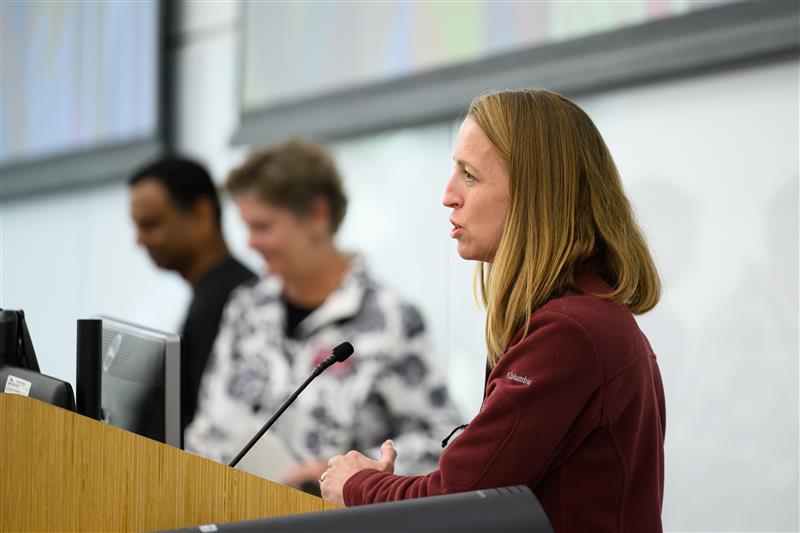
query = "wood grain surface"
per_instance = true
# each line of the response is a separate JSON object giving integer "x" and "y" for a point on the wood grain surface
{"x": 60, "y": 471}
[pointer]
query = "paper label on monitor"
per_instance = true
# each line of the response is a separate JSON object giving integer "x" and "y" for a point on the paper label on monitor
{"x": 15, "y": 385}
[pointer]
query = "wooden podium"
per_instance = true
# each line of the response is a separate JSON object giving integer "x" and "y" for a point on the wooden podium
{"x": 60, "y": 471}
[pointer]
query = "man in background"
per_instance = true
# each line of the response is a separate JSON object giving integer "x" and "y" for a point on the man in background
{"x": 177, "y": 213}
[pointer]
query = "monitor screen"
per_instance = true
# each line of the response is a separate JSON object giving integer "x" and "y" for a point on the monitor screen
{"x": 141, "y": 380}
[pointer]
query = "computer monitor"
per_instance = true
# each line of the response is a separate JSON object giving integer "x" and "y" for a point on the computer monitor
{"x": 141, "y": 380}
{"x": 19, "y": 366}
{"x": 16, "y": 347}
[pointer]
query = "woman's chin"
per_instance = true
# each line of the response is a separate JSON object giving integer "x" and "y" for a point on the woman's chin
{"x": 469, "y": 254}
{"x": 465, "y": 253}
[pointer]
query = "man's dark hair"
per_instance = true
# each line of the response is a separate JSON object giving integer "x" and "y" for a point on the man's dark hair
{"x": 185, "y": 180}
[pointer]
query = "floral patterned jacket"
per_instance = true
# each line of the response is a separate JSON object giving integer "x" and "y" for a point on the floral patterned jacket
{"x": 388, "y": 388}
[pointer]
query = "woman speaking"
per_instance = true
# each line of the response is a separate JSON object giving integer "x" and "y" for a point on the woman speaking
{"x": 573, "y": 403}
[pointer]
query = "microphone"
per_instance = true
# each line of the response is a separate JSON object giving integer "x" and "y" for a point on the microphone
{"x": 338, "y": 354}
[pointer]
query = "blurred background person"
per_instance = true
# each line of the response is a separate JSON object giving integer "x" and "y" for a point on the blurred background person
{"x": 176, "y": 209}
{"x": 314, "y": 297}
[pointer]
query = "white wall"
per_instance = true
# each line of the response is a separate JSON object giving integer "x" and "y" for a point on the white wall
{"x": 710, "y": 162}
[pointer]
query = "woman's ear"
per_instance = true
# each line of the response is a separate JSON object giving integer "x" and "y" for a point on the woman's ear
{"x": 319, "y": 218}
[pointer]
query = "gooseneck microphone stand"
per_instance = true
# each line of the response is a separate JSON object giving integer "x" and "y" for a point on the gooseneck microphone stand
{"x": 339, "y": 354}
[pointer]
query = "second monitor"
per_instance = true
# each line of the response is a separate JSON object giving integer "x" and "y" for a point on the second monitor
{"x": 141, "y": 380}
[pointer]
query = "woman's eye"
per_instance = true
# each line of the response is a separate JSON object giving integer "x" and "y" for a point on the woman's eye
{"x": 469, "y": 178}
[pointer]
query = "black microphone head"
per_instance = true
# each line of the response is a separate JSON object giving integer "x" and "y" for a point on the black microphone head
{"x": 343, "y": 351}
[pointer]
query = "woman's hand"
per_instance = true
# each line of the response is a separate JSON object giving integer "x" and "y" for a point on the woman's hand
{"x": 308, "y": 471}
{"x": 341, "y": 467}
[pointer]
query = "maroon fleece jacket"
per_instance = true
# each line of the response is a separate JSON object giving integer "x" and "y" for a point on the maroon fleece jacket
{"x": 575, "y": 410}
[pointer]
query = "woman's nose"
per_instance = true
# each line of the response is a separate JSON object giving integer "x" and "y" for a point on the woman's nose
{"x": 452, "y": 197}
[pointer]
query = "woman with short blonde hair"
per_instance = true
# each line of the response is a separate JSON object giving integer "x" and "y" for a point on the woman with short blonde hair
{"x": 275, "y": 331}
{"x": 573, "y": 405}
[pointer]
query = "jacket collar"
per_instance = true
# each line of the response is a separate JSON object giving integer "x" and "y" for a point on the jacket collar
{"x": 343, "y": 303}
{"x": 589, "y": 278}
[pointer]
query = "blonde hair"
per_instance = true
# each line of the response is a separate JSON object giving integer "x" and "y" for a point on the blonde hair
{"x": 566, "y": 207}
